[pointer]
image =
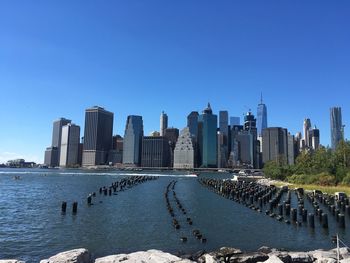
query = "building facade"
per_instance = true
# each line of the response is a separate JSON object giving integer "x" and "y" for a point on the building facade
{"x": 97, "y": 136}
{"x": 69, "y": 155}
{"x": 275, "y": 145}
{"x": 261, "y": 117}
{"x": 336, "y": 127}
{"x": 306, "y": 129}
{"x": 163, "y": 123}
{"x": 56, "y": 140}
{"x": 51, "y": 158}
{"x": 133, "y": 140}
{"x": 192, "y": 123}
{"x": 185, "y": 152}
{"x": 155, "y": 152}
{"x": 207, "y": 139}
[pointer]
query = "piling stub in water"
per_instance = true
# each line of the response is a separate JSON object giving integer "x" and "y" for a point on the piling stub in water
{"x": 294, "y": 214}
{"x": 341, "y": 220}
{"x": 324, "y": 220}
{"x": 64, "y": 207}
{"x": 311, "y": 219}
{"x": 75, "y": 207}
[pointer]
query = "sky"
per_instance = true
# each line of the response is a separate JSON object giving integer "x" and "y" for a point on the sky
{"x": 58, "y": 58}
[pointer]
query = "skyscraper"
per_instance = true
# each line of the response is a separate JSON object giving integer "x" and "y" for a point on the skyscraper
{"x": 163, "y": 123}
{"x": 192, "y": 123}
{"x": 223, "y": 139}
{"x": 97, "y": 136}
{"x": 52, "y": 154}
{"x": 155, "y": 152}
{"x": 336, "y": 127}
{"x": 261, "y": 117}
{"x": 70, "y": 145}
{"x": 133, "y": 140}
{"x": 275, "y": 144}
{"x": 208, "y": 138}
{"x": 314, "y": 138}
{"x": 306, "y": 128}
{"x": 185, "y": 153}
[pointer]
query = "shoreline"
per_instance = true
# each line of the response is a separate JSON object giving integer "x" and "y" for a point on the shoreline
{"x": 224, "y": 254}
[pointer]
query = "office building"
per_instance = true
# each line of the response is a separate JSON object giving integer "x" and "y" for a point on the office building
{"x": 314, "y": 138}
{"x": 155, "y": 152}
{"x": 207, "y": 139}
{"x": 97, "y": 136}
{"x": 306, "y": 128}
{"x": 185, "y": 152}
{"x": 223, "y": 139}
{"x": 56, "y": 139}
{"x": 337, "y": 128}
{"x": 171, "y": 134}
{"x": 116, "y": 154}
{"x": 51, "y": 158}
{"x": 275, "y": 145}
{"x": 163, "y": 123}
{"x": 291, "y": 149}
{"x": 69, "y": 155}
{"x": 192, "y": 123}
{"x": 133, "y": 141}
{"x": 261, "y": 117}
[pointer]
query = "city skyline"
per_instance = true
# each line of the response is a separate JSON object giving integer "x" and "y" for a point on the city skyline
{"x": 59, "y": 58}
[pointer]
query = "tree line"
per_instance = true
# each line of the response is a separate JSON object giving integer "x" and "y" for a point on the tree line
{"x": 322, "y": 166}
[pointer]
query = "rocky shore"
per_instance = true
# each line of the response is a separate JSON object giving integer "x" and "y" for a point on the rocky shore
{"x": 225, "y": 254}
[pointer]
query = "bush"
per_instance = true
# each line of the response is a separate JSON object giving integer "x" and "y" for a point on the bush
{"x": 346, "y": 179}
{"x": 320, "y": 179}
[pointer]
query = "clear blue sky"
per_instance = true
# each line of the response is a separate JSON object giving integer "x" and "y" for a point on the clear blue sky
{"x": 141, "y": 57}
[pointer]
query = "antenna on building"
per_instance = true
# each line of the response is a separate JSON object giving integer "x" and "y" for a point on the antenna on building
{"x": 261, "y": 98}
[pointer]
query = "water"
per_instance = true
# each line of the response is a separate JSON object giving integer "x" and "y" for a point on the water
{"x": 32, "y": 226}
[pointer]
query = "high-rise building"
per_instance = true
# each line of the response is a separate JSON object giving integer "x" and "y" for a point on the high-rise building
{"x": 223, "y": 139}
{"x": 314, "y": 138}
{"x": 133, "y": 140}
{"x": 69, "y": 155}
{"x": 171, "y": 134}
{"x": 97, "y": 136}
{"x": 163, "y": 123}
{"x": 52, "y": 154}
{"x": 291, "y": 149}
{"x": 261, "y": 117}
{"x": 235, "y": 121}
{"x": 192, "y": 123}
{"x": 306, "y": 128}
{"x": 275, "y": 144}
{"x": 336, "y": 127}
{"x": 51, "y": 157}
{"x": 207, "y": 138}
{"x": 155, "y": 152}
{"x": 185, "y": 153}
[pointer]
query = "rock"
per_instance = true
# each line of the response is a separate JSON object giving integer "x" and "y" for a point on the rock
{"x": 265, "y": 250}
{"x": 150, "y": 256}
{"x": 80, "y": 255}
{"x": 301, "y": 257}
{"x": 282, "y": 255}
{"x": 347, "y": 260}
{"x": 274, "y": 259}
{"x": 322, "y": 256}
{"x": 11, "y": 261}
{"x": 250, "y": 257}
{"x": 208, "y": 258}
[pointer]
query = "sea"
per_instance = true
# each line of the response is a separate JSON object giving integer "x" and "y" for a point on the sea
{"x": 33, "y": 227}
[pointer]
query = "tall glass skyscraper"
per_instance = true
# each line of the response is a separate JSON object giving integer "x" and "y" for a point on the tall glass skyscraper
{"x": 133, "y": 140}
{"x": 336, "y": 127}
{"x": 192, "y": 123}
{"x": 208, "y": 138}
{"x": 98, "y": 134}
{"x": 163, "y": 123}
{"x": 261, "y": 117}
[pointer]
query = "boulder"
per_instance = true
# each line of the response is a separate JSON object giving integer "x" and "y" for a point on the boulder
{"x": 208, "y": 258}
{"x": 249, "y": 258}
{"x": 274, "y": 259}
{"x": 282, "y": 255}
{"x": 301, "y": 257}
{"x": 150, "y": 256}
{"x": 322, "y": 256}
{"x": 265, "y": 250}
{"x": 80, "y": 255}
{"x": 11, "y": 261}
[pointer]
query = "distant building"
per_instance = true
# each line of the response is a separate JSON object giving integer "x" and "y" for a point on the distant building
{"x": 171, "y": 134}
{"x": 314, "y": 138}
{"x": 336, "y": 127}
{"x": 133, "y": 140}
{"x": 207, "y": 139}
{"x": 275, "y": 145}
{"x": 290, "y": 146}
{"x": 306, "y": 128}
{"x": 163, "y": 123}
{"x": 250, "y": 127}
{"x": 69, "y": 155}
{"x": 222, "y": 151}
{"x": 185, "y": 153}
{"x": 192, "y": 123}
{"x": 52, "y": 154}
{"x": 51, "y": 157}
{"x": 155, "y": 152}
{"x": 97, "y": 136}
{"x": 261, "y": 117}
{"x": 223, "y": 139}
{"x": 154, "y": 133}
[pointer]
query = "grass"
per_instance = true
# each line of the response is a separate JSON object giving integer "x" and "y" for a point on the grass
{"x": 324, "y": 189}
